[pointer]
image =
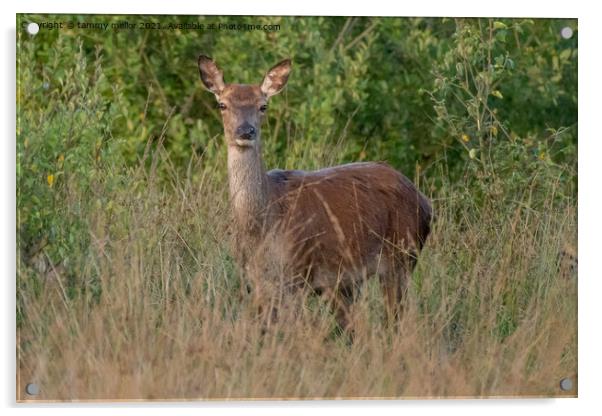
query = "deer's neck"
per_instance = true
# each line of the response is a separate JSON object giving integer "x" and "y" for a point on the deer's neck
{"x": 248, "y": 186}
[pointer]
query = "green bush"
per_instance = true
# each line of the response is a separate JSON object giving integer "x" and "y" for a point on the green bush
{"x": 66, "y": 154}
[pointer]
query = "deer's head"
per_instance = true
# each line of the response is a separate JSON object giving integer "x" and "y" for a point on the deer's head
{"x": 243, "y": 106}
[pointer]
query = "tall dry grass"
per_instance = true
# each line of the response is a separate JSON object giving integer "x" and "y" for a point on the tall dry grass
{"x": 162, "y": 312}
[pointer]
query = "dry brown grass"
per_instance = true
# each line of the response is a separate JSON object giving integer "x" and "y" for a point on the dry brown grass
{"x": 160, "y": 313}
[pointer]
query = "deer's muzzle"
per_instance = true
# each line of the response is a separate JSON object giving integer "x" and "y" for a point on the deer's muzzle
{"x": 246, "y": 132}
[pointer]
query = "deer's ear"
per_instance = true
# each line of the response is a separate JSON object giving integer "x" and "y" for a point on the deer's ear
{"x": 275, "y": 80}
{"x": 211, "y": 75}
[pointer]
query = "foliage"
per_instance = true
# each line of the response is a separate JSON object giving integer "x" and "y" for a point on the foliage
{"x": 66, "y": 155}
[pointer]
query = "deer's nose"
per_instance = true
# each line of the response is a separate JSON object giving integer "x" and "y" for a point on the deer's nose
{"x": 246, "y": 132}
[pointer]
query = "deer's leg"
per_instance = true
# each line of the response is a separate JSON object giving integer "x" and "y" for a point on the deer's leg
{"x": 394, "y": 283}
{"x": 340, "y": 300}
{"x": 393, "y": 293}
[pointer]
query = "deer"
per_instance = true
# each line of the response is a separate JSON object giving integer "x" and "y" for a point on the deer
{"x": 326, "y": 231}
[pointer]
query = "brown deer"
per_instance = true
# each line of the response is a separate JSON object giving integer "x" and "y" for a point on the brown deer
{"x": 326, "y": 230}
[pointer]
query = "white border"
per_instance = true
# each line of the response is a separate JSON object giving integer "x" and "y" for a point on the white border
{"x": 590, "y": 152}
{"x": 458, "y": 8}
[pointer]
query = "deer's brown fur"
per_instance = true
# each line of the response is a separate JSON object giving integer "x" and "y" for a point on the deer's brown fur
{"x": 327, "y": 230}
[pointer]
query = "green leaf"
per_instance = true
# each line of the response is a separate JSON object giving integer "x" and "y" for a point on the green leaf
{"x": 497, "y": 93}
{"x": 565, "y": 54}
{"x": 501, "y": 35}
{"x": 499, "y": 25}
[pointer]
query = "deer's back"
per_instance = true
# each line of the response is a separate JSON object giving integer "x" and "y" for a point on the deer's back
{"x": 346, "y": 215}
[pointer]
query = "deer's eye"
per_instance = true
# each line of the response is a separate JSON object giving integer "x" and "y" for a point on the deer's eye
{"x": 263, "y": 108}
{"x": 222, "y": 106}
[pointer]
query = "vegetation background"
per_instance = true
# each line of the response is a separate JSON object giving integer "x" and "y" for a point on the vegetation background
{"x": 125, "y": 285}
